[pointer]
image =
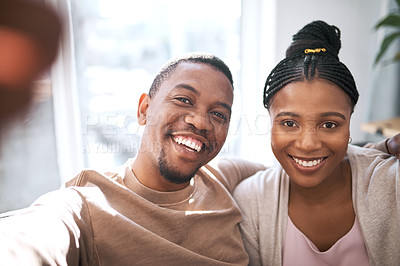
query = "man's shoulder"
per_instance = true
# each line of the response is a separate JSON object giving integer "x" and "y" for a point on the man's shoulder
{"x": 90, "y": 177}
{"x": 209, "y": 172}
{"x": 86, "y": 177}
{"x": 231, "y": 171}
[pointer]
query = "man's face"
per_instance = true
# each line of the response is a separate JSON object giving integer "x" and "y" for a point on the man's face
{"x": 186, "y": 120}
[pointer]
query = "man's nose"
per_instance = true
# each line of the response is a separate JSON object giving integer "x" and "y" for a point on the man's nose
{"x": 199, "y": 120}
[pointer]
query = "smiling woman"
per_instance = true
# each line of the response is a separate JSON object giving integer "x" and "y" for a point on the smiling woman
{"x": 328, "y": 201}
{"x": 310, "y": 132}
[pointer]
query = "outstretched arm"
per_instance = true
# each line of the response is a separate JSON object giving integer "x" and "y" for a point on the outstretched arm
{"x": 231, "y": 171}
{"x": 47, "y": 233}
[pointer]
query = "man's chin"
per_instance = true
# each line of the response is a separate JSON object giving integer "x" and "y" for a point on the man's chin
{"x": 176, "y": 177}
{"x": 176, "y": 174}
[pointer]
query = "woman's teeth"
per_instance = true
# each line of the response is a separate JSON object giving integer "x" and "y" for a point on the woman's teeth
{"x": 307, "y": 163}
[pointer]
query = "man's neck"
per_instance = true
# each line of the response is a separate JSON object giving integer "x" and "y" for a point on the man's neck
{"x": 148, "y": 174}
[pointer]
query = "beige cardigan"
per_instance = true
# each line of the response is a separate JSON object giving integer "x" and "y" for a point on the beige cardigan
{"x": 263, "y": 199}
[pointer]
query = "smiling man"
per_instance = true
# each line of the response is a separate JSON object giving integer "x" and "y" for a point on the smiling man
{"x": 164, "y": 207}
{"x": 187, "y": 120}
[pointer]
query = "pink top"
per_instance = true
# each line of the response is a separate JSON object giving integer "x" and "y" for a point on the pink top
{"x": 299, "y": 250}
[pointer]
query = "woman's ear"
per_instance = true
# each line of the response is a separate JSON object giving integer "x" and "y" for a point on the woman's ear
{"x": 142, "y": 109}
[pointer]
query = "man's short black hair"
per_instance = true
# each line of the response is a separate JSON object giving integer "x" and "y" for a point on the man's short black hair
{"x": 168, "y": 69}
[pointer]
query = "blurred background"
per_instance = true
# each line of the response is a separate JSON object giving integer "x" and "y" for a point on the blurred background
{"x": 84, "y": 111}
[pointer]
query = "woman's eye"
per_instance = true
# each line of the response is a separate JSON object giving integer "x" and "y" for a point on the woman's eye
{"x": 329, "y": 125}
{"x": 289, "y": 123}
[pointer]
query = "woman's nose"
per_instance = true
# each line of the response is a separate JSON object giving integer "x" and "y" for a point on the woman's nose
{"x": 308, "y": 141}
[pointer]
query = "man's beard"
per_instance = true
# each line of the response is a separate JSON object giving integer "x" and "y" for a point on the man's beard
{"x": 170, "y": 174}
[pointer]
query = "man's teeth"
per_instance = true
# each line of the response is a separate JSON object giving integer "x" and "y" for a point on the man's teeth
{"x": 188, "y": 143}
{"x": 307, "y": 163}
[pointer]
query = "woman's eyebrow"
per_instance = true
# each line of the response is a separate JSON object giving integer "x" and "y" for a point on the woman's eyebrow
{"x": 288, "y": 114}
{"x": 326, "y": 114}
{"x": 333, "y": 114}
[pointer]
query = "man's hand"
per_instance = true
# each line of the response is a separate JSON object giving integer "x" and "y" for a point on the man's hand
{"x": 393, "y": 146}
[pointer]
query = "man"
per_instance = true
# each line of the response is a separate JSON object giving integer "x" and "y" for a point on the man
{"x": 161, "y": 208}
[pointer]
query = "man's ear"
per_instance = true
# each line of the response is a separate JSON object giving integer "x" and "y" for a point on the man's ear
{"x": 142, "y": 108}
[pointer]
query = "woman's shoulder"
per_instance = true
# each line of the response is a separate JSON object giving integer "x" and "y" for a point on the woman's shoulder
{"x": 371, "y": 163}
{"x": 363, "y": 155}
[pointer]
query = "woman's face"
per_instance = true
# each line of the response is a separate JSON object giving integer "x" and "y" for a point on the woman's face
{"x": 310, "y": 130}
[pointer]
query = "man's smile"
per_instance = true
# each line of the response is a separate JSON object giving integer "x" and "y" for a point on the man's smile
{"x": 189, "y": 142}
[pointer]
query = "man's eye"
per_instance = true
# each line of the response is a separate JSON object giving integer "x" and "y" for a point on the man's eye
{"x": 329, "y": 125}
{"x": 184, "y": 100}
{"x": 289, "y": 123}
{"x": 219, "y": 115}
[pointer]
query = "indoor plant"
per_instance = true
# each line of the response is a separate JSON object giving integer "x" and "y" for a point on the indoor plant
{"x": 392, "y": 20}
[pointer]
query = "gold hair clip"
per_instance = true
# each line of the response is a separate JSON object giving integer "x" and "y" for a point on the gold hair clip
{"x": 317, "y": 50}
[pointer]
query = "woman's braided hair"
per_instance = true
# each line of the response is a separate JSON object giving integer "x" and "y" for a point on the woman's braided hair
{"x": 313, "y": 54}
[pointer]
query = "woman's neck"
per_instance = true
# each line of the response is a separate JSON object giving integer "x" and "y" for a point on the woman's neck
{"x": 334, "y": 189}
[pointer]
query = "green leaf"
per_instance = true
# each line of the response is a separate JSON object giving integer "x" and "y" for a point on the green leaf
{"x": 391, "y": 20}
{"x": 385, "y": 44}
{"x": 398, "y": 3}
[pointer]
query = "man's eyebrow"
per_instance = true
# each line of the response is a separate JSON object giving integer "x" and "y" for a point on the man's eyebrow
{"x": 186, "y": 87}
{"x": 190, "y": 88}
{"x": 333, "y": 114}
{"x": 227, "y": 106}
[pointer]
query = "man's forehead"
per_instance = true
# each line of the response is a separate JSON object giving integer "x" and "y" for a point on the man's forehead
{"x": 195, "y": 78}
{"x": 192, "y": 66}
{"x": 187, "y": 72}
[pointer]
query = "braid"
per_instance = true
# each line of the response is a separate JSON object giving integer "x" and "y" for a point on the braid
{"x": 312, "y": 54}
{"x": 322, "y": 32}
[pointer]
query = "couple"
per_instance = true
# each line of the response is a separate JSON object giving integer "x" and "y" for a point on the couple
{"x": 167, "y": 206}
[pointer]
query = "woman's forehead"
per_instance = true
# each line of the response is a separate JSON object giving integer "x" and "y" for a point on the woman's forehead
{"x": 314, "y": 95}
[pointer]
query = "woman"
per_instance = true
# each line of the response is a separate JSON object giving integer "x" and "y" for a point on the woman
{"x": 328, "y": 203}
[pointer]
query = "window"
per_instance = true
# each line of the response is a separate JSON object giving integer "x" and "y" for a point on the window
{"x": 85, "y": 113}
